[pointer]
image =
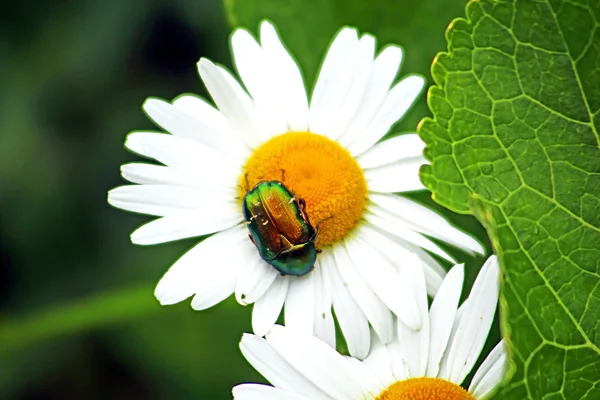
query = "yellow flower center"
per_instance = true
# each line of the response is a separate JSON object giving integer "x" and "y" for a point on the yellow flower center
{"x": 318, "y": 170}
{"x": 425, "y": 389}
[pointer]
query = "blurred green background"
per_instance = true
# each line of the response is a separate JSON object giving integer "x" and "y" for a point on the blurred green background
{"x": 77, "y": 314}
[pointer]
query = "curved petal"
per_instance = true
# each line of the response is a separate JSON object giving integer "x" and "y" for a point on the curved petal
{"x": 321, "y": 364}
{"x": 161, "y": 200}
{"x": 385, "y": 281}
{"x": 255, "y": 391}
{"x": 254, "y": 282}
{"x": 233, "y": 102}
{"x": 401, "y": 176}
{"x": 375, "y": 310}
{"x": 474, "y": 325}
{"x": 300, "y": 304}
{"x": 394, "y": 106}
{"x": 293, "y": 96}
{"x": 426, "y": 220}
{"x": 151, "y": 174}
{"x": 391, "y": 150}
{"x": 331, "y": 85}
{"x": 196, "y": 270}
{"x": 491, "y": 372}
{"x": 268, "y": 307}
{"x": 352, "y": 320}
{"x": 441, "y": 316}
{"x": 324, "y": 325}
{"x": 261, "y": 355}
{"x": 383, "y": 71}
{"x": 186, "y": 224}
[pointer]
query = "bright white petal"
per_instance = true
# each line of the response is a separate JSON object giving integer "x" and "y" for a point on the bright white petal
{"x": 425, "y": 220}
{"x": 401, "y": 176}
{"x": 383, "y": 71}
{"x": 180, "y": 123}
{"x": 276, "y": 369}
{"x": 379, "y": 361}
{"x": 217, "y": 132}
{"x": 474, "y": 325}
{"x": 268, "y": 307}
{"x": 385, "y": 281}
{"x": 293, "y": 97}
{"x": 352, "y": 320}
{"x": 202, "y": 268}
{"x": 368, "y": 380}
{"x": 415, "y": 343}
{"x": 186, "y": 155}
{"x": 353, "y": 89}
{"x": 255, "y": 391}
{"x": 398, "y": 254}
{"x": 441, "y": 316}
{"x": 375, "y": 310}
{"x": 254, "y": 281}
{"x": 394, "y": 106}
{"x": 392, "y": 150}
{"x": 161, "y": 200}
{"x": 257, "y": 74}
{"x": 233, "y": 102}
{"x": 408, "y": 235}
{"x": 186, "y": 224}
{"x": 491, "y": 372}
{"x": 314, "y": 359}
{"x": 300, "y": 304}
{"x": 332, "y": 83}
{"x": 150, "y": 174}
{"x": 324, "y": 324}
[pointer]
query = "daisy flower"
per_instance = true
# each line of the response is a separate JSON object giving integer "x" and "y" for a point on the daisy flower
{"x": 327, "y": 153}
{"x": 429, "y": 364}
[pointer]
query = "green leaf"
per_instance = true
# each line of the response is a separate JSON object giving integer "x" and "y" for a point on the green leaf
{"x": 514, "y": 141}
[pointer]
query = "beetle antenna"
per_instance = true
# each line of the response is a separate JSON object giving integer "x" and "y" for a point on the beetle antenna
{"x": 247, "y": 183}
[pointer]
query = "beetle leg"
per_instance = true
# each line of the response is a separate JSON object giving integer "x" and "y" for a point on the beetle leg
{"x": 282, "y": 175}
{"x": 253, "y": 241}
{"x": 247, "y": 183}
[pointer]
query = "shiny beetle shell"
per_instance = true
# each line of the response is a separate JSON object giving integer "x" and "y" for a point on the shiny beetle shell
{"x": 280, "y": 228}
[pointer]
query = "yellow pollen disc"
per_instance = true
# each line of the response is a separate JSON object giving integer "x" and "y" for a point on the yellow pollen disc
{"x": 318, "y": 170}
{"x": 425, "y": 389}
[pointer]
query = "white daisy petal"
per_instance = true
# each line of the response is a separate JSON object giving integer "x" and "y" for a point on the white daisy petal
{"x": 491, "y": 372}
{"x": 161, "y": 200}
{"x": 392, "y": 150}
{"x": 257, "y": 74}
{"x": 186, "y": 224}
{"x": 321, "y": 364}
{"x": 150, "y": 174}
{"x": 441, "y": 316}
{"x": 352, "y": 320}
{"x": 331, "y": 86}
{"x": 180, "y": 123}
{"x": 474, "y": 325}
{"x": 255, "y": 391}
{"x": 397, "y": 254}
{"x": 202, "y": 268}
{"x": 276, "y": 369}
{"x": 268, "y": 307}
{"x": 385, "y": 281}
{"x": 368, "y": 380}
{"x": 185, "y": 155}
{"x": 375, "y": 310}
{"x": 254, "y": 282}
{"x": 426, "y": 220}
{"x": 233, "y": 102}
{"x": 408, "y": 235}
{"x": 394, "y": 106}
{"x": 356, "y": 85}
{"x": 216, "y": 131}
{"x": 324, "y": 325}
{"x": 383, "y": 71}
{"x": 293, "y": 97}
{"x": 415, "y": 342}
{"x": 380, "y": 362}
{"x": 401, "y": 176}
{"x": 300, "y": 304}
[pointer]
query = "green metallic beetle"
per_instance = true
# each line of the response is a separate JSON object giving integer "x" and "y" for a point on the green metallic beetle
{"x": 280, "y": 229}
